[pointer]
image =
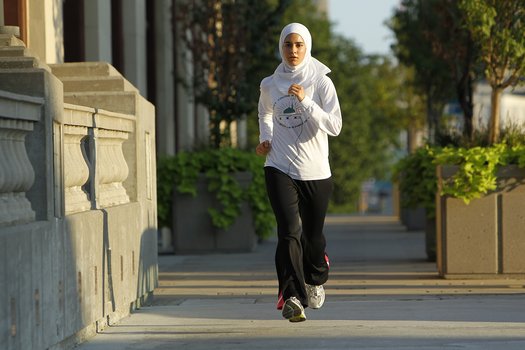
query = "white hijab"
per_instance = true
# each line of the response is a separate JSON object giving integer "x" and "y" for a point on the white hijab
{"x": 304, "y": 74}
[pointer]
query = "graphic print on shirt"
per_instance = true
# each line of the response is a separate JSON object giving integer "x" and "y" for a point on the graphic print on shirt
{"x": 288, "y": 112}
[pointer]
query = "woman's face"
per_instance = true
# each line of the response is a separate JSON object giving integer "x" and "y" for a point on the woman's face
{"x": 294, "y": 49}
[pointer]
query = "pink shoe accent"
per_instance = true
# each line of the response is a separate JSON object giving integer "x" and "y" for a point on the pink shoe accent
{"x": 280, "y": 301}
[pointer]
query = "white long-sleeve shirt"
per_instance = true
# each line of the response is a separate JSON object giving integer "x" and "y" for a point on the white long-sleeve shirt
{"x": 299, "y": 130}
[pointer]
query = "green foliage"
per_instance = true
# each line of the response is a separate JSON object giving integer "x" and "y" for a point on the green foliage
{"x": 181, "y": 172}
{"x": 416, "y": 176}
{"x": 477, "y": 170}
{"x": 498, "y": 27}
{"x": 368, "y": 91}
{"x": 475, "y": 174}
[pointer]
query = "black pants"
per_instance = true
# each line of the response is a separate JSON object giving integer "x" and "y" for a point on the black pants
{"x": 300, "y": 210}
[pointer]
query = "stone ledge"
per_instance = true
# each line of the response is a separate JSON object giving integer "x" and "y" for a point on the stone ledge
{"x": 84, "y": 69}
{"x": 116, "y": 101}
{"x": 95, "y": 83}
{"x": 16, "y": 106}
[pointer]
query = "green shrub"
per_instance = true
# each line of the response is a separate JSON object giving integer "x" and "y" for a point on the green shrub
{"x": 180, "y": 173}
{"x": 476, "y": 173}
{"x": 477, "y": 168}
{"x": 416, "y": 176}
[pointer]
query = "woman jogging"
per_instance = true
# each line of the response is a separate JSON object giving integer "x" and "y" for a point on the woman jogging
{"x": 298, "y": 110}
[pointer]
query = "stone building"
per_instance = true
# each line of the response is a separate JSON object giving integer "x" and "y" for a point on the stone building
{"x": 78, "y": 221}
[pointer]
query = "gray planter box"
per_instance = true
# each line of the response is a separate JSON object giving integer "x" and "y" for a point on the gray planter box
{"x": 430, "y": 239}
{"x": 193, "y": 232}
{"x": 414, "y": 219}
{"x": 485, "y": 238}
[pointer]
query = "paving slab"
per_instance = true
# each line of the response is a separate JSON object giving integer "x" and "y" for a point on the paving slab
{"x": 382, "y": 294}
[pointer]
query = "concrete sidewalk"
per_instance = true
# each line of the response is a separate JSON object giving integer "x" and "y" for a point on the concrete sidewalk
{"x": 382, "y": 294}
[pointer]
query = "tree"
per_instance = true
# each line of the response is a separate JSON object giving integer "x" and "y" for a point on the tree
{"x": 452, "y": 43}
{"x": 224, "y": 37}
{"x": 410, "y": 105}
{"x": 411, "y": 23}
{"x": 498, "y": 28}
{"x": 368, "y": 90}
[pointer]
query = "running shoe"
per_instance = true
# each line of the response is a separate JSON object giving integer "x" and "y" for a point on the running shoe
{"x": 316, "y": 296}
{"x": 293, "y": 311}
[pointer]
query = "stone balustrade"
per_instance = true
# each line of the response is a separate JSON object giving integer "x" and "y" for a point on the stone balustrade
{"x": 17, "y": 116}
{"x": 94, "y": 164}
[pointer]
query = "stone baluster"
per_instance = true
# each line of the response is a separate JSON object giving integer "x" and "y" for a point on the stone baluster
{"x": 16, "y": 172}
{"x": 76, "y": 169}
{"x": 111, "y": 168}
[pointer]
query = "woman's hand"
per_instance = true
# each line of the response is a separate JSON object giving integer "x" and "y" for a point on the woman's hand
{"x": 297, "y": 90}
{"x": 263, "y": 148}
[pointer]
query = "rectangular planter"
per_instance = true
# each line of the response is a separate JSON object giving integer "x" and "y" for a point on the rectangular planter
{"x": 413, "y": 218}
{"x": 193, "y": 231}
{"x": 485, "y": 238}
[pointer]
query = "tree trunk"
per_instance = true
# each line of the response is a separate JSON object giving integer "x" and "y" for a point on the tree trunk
{"x": 412, "y": 138}
{"x": 430, "y": 118}
{"x": 494, "y": 123}
{"x": 465, "y": 90}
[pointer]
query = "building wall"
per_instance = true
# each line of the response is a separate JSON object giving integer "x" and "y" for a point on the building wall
{"x": 512, "y": 107}
{"x": 78, "y": 231}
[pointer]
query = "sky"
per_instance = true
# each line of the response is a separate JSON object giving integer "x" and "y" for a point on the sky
{"x": 362, "y": 21}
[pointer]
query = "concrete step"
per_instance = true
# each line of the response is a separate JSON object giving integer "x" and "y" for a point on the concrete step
{"x": 96, "y": 83}
{"x": 84, "y": 69}
{"x": 114, "y": 101}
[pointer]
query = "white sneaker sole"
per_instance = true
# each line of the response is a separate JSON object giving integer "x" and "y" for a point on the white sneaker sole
{"x": 293, "y": 312}
{"x": 315, "y": 303}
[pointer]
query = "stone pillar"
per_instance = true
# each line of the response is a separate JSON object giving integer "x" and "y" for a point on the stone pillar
{"x": 46, "y": 31}
{"x": 18, "y": 114}
{"x": 164, "y": 71}
{"x": 185, "y": 105}
{"x": 2, "y": 23}
{"x": 97, "y": 30}
{"x": 134, "y": 28}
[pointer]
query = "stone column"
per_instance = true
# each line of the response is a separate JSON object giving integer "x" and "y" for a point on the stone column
{"x": 164, "y": 71}
{"x": 2, "y": 23}
{"x": 45, "y": 32}
{"x": 134, "y": 14}
{"x": 97, "y": 30}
